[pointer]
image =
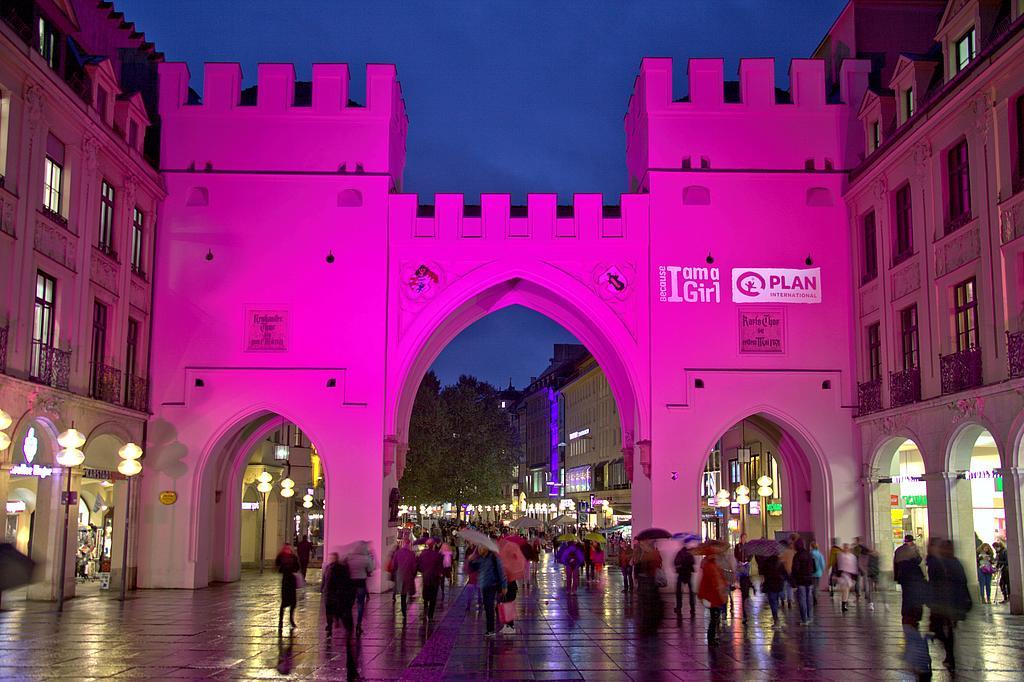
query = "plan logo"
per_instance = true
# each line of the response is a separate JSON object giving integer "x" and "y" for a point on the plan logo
{"x": 688, "y": 284}
{"x": 776, "y": 285}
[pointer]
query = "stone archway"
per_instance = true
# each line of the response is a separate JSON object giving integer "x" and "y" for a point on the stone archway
{"x": 897, "y": 468}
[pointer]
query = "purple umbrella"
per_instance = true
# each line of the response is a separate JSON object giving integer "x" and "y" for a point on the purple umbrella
{"x": 762, "y": 547}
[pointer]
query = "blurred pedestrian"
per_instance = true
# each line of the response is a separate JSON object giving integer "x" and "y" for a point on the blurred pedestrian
{"x": 833, "y": 568}
{"x": 430, "y": 564}
{"x": 950, "y": 599}
{"x": 1001, "y": 565}
{"x": 685, "y": 564}
{"x": 491, "y": 579}
{"x": 819, "y": 568}
{"x": 742, "y": 557}
{"x": 986, "y": 567}
{"x": 403, "y": 573}
{"x": 786, "y": 557}
{"x": 907, "y": 572}
{"x": 303, "y": 549}
{"x": 288, "y": 566}
{"x": 472, "y": 581}
{"x": 361, "y": 566}
{"x": 803, "y": 580}
{"x": 597, "y": 557}
{"x": 448, "y": 566}
{"x": 773, "y": 577}
{"x": 588, "y": 559}
{"x": 572, "y": 560}
{"x": 713, "y": 589}
{"x": 649, "y": 571}
{"x": 626, "y": 566}
{"x": 848, "y": 572}
{"x": 515, "y": 566}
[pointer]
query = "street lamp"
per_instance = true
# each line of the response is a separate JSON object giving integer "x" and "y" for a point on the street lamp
{"x": 69, "y": 457}
{"x": 264, "y": 489}
{"x": 128, "y": 467}
{"x": 743, "y": 499}
{"x": 764, "y": 489}
{"x": 5, "y": 421}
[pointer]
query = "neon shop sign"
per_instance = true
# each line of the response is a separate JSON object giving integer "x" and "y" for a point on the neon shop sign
{"x": 29, "y": 448}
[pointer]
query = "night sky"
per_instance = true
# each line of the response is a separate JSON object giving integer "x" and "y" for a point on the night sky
{"x": 509, "y": 97}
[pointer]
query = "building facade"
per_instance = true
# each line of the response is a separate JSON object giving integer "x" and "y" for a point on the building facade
{"x": 78, "y": 208}
{"x": 936, "y": 213}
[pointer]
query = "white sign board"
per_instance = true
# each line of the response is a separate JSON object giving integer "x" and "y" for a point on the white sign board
{"x": 776, "y": 285}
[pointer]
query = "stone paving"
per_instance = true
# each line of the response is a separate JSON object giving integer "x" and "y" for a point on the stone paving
{"x": 230, "y": 632}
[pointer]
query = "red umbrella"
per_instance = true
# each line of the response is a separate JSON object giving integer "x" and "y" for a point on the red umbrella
{"x": 518, "y": 539}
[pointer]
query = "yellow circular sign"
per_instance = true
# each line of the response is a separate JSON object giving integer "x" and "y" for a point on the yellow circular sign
{"x": 168, "y": 497}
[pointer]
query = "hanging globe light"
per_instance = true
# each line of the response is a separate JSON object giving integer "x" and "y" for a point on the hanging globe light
{"x": 764, "y": 481}
{"x": 5, "y": 420}
{"x": 287, "y": 492}
{"x": 265, "y": 477}
{"x": 264, "y": 487}
{"x": 307, "y": 498}
{"x": 5, "y": 441}
{"x": 308, "y": 504}
{"x": 742, "y": 490}
{"x": 129, "y": 467}
{"x": 288, "y": 483}
{"x": 743, "y": 499}
{"x": 72, "y": 438}
{"x": 70, "y": 457}
{"x": 129, "y": 451}
{"x": 765, "y": 491}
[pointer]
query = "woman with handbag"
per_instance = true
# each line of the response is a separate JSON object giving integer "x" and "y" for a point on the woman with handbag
{"x": 986, "y": 568}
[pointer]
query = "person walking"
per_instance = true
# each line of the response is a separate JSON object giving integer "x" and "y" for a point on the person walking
{"x": 848, "y": 571}
{"x": 626, "y": 566}
{"x": 403, "y": 573}
{"x": 986, "y": 568}
{"x": 448, "y": 567}
{"x": 742, "y": 558}
{"x": 819, "y": 569}
{"x": 303, "y": 548}
{"x": 648, "y": 566}
{"x": 685, "y": 564}
{"x": 288, "y": 566}
{"x": 833, "y": 568}
{"x": 773, "y": 576}
{"x": 950, "y": 599}
{"x": 786, "y": 557}
{"x": 430, "y": 564}
{"x": 472, "y": 581}
{"x": 906, "y": 568}
{"x": 597, "y": 557}
{"x": 491, "y": 579}
{"x": 714, "y": 590}
{"x": 361, "y": 566}
{"x": 803, "y": 580}
{"x": 513, "y": 562}
{"x": 588, "y": 560}
{"x": 339, "y": 596}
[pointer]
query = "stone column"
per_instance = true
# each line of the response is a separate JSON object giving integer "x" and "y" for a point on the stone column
{"x": 47, "y": 543}
{"x": 1013, "y": 495}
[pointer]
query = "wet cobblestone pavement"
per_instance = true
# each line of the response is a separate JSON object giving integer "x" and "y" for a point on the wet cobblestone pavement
{"x": 230, "y": 632}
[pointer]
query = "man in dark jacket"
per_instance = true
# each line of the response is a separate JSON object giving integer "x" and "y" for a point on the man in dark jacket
{"x": 802, "y": 577}
{"x": 303, "y": 548}
{"x": 950, "y": 599}
{"x": 339, "y": 597}
{"x": 906, "y": 570}
{"x": 431, "y": 565}
{"x": 684, "y": 562}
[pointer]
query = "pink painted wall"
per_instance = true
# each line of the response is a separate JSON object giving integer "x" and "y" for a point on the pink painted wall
{"x": 404, "y": 284}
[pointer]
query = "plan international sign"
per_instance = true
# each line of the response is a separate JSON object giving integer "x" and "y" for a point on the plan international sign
{"x": 776, "y": 285}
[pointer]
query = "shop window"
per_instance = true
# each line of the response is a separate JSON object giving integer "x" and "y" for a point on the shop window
{"x": 909, "y": 339}
{"x": 870, "y": 265}
{"x": 964, "y": 51}
{"x": 138, "y": 220}
{"x": 43, "y": 327}
{"x": 53, "y": 177}
{"x": 965, "y": 315}
{"x": 105, "y": 235}
{"x": 874, "y": 338}
{"x": 958, "y": 186}
{"x": 904, "y": 224}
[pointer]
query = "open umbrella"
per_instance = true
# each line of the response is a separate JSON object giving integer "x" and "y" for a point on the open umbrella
{"x": 564, "y": 520}
{"x": 517, "y": 539}
{"x": 687, "y": 538}
{"x": 595, "y": 537}
{"x": 653, "y": 534}
{"x": 567, "y": 537}
{"x": 711, "y": 547}
{"x": 762, "y": 547}
{"x": 526, "y": 522}
{"x": 475, "y": 537}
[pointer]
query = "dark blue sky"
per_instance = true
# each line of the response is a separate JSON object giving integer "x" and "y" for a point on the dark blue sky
{"x": 510, "y": 97}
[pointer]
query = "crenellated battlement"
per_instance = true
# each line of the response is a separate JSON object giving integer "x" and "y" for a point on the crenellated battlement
{"x": 495, "y": 218}
{"x": 747, "y": 123}
{"x": 278, "y": 133}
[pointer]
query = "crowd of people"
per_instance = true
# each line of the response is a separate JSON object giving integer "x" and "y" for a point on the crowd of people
{"x": 710, "y": 574}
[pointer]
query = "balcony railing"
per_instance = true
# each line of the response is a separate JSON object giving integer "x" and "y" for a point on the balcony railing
{"x": 3, "y": 348}
{"x": 136, "y": 393}
{"x": 955, "y": 223}
{"x": 1015, "y": 353}
{"x": 869, "y": 396}
{"x": 50, "y": 366}
{"x": 18, "y": 15}
{"x": 960, "y": 371}
{"x": 106, "y": 384}
{"x": 905, "y": 387}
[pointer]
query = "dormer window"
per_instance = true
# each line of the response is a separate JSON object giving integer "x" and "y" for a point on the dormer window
{"x": 964, "y": 51}
{"x": 48, "y": 43}
{"x": 908, "y": 103}
{"x": 874, "y": 135}
{"x": 101, "y": 101}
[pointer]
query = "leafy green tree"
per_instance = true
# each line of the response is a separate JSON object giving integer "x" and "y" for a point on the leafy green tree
{"x": 461, "y": 445}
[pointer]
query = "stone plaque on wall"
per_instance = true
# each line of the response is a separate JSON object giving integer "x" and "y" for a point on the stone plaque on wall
{"x": 266, "y": 330}
{"x": 762, "y": 331}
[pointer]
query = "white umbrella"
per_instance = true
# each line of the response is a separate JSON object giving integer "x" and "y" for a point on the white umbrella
{"x": 527, "y": 522}
{"x": 564, "y": 520}
{"x": 477, "y": 538}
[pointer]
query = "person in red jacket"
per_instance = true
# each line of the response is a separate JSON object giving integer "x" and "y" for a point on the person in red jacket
{"x": 713, "y": 589}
